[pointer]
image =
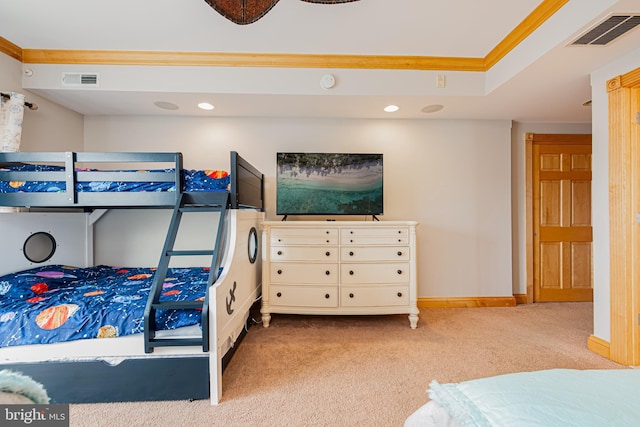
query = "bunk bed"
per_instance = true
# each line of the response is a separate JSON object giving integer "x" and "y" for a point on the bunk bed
{"x": 174, "y": 346}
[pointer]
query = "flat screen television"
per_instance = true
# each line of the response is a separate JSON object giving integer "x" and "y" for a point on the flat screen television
{"x": 329, "y": 184}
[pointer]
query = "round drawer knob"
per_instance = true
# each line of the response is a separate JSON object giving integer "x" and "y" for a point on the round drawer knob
{"x": 328, "y": 241}
{"x": 279, "y": 271}
{"x": 350, "y": 295}
{"x": 399, "y": 253}
{"x": 351, "y": 232}
{"x": 351, "y": 253}
{"x": 279, "y": 252}
{"x": 326, "y": 296}
{"x": 327, "y": 231}
{"x": 351, "y": 272}
{"x": 399, "y": 271}
{"x": 327, "y": 253}
{"x": 279, "y": 294}
{"x": 399, "y": 294}
{"x": 327, "y": 272}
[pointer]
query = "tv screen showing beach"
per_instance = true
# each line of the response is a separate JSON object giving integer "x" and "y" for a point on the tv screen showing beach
{"x": 329, "y": 184}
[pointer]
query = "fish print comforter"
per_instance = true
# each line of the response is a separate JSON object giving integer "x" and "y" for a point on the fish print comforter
{"x": 64, "y": 303}
{"x": 194, "y": 180}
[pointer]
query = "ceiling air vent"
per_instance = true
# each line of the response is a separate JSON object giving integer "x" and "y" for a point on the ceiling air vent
{"x": 80, "y": 79}
{"x": 608, "y": 30}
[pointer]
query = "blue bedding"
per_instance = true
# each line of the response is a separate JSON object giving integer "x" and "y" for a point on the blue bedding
{"x": 556, "y": 397}
{"x": 63, "y": 303}
{"x": 194, "y": 180}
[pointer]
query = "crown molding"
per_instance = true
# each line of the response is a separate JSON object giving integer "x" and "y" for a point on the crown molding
{"x": 230, "y": 59}
{"x": 10, "y": 49}
{"x": 540, "y": 14}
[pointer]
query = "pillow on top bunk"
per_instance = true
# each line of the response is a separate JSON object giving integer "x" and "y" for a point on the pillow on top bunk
{"x": 205, "y": 180}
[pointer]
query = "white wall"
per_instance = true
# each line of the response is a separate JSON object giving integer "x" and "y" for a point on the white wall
{"x": 600, "y": 190}
{"x": 454, "y": 177}
{"x": 518, "y": 189}
{"x": 51, "y": 127}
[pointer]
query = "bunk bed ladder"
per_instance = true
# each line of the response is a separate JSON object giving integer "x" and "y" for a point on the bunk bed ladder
{"x": 187, "y": 202}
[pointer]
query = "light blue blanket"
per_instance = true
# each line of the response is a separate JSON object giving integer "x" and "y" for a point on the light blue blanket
{"x": 557, "y": 397}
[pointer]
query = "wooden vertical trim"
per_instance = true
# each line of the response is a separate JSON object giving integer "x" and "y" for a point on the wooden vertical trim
{"x": 528, "y": 140}
{"x": 617, "y": 177}
{"x": 635, "y": 285}
{"x": 535, "y": 223}
{"x": 565, "y": 220}
{"x": 624, "y": 204}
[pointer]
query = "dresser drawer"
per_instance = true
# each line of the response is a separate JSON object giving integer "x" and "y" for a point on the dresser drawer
{"x": 303, "y": 253}
{"x": 375, "y": 253}
{"x": 374, "y": 296}
{"x": 374, "y": 235}
{"x": 375, "y": 273}
{"x": 304, "y": 296}
{"x": 304, "y": 236}
{"x": 298, "y": 273}
{"x": 372, "y": 240}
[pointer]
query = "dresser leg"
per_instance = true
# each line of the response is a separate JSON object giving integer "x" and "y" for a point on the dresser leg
{"x": 413, "y": 320}
{"x": 266, "y": 318}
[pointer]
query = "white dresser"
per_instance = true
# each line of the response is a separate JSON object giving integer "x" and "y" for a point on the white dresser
{"x": 339, "y": 267}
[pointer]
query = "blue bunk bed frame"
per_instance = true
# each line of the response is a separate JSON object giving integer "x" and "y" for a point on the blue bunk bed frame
{"x": 246, "y": 190}
{"x": 72, "y": 161}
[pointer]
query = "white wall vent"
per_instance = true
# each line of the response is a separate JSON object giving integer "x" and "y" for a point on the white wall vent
{"x": 608, "y": 30}
{"x": 80, "y": 79}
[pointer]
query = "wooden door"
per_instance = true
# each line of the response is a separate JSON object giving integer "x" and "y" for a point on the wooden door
{"x": 562, "y": 232}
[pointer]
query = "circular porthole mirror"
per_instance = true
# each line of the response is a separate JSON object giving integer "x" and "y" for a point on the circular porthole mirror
{"x": 253, "y": 245}
{"x": 39, "y": 247}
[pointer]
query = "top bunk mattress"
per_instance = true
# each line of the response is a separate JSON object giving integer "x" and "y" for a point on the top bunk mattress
{"x": 116, "y": 181}
{"x": 64, "y": 180}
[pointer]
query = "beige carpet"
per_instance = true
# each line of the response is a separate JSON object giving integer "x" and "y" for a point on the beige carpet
{"x": 368, "y": 371}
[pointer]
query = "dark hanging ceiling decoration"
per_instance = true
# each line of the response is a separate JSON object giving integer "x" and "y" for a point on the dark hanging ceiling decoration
{"x": 245, "y": 12}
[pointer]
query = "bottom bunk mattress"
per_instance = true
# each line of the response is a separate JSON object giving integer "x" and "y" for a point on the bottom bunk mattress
{"x": 555, "y": 397}
{"x": 59, "y": 303}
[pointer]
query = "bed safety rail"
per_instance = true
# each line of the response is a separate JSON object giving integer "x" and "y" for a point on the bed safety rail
{"x": 187, "y": 202}
{"x": 74, "y": 168}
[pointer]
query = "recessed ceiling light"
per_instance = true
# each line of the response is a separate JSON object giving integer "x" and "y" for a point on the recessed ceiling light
{"x": 166, "y": 105}
{"x": 205, "y": 106}
{"x": 434, "y": 108}
{"x": 391, "y": 108}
